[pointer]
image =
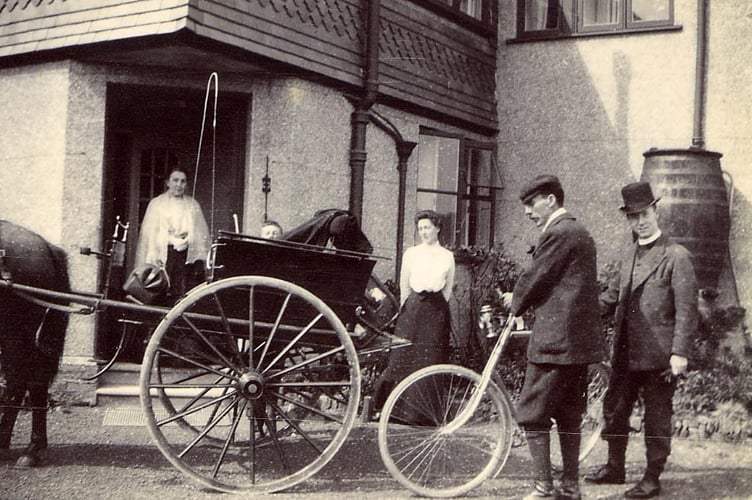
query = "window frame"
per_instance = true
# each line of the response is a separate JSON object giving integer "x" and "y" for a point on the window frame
{"x": 465, "y": 191}
{"x": 571, "y": 9}
{"x": 469, "y": 192}
{"x": 486, "y": 25}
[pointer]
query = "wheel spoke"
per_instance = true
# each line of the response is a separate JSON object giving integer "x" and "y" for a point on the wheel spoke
{"x": 273, "y": 331}
{"x": 226, "y": 324}
{"x": 182, "y": 414}
{"x": 211, "y": 345}
{"x": 312, "y": 409}
{"x": 207, "y": 369}
{"x": 226, "y": 445}
{"x": 305, "y": 363}
{"x": 283, "y": 352}
{"x": 208, "y": 429}
{"x": 305, "y": 435}
{"x": 251, "y": 290}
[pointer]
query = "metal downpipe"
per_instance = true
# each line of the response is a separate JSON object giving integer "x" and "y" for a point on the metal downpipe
{"x": 360, "y": 116}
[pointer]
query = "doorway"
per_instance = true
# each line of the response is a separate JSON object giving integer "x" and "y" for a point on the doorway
{"x": 150, "y": 130}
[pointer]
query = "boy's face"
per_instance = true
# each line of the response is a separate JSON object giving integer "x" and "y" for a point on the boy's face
{"x": 271, "y": 232}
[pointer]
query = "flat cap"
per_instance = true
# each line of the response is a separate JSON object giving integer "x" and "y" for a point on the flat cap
{"x": 540, "y": 184}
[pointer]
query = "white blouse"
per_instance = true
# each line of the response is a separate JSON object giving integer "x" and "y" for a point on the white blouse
{"x": 427, "y": 268}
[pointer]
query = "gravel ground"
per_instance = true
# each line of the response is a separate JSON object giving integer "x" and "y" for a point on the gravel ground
{"x": 89, "y": 460}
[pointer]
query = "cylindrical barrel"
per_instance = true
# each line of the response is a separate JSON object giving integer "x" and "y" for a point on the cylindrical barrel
{"x": 694, "y": 207}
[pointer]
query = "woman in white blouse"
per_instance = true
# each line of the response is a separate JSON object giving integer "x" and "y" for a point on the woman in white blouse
{"x": 426, "y": 281}
{"x": 173, "y": 233}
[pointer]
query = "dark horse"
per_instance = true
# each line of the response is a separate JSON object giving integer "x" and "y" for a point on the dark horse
{"x": 31, "y": 335}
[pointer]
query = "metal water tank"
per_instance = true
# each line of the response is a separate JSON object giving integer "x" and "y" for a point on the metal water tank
{"x": 694, "y": 206}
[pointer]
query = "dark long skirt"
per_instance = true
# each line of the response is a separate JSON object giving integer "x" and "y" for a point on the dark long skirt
{"x": 175, "y": 267}
{"x": 425, "y": 321}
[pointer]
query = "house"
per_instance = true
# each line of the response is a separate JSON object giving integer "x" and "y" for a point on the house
{"x": 380, "y": 107}
{"x": 587, "y": 87}
{"x": 278, "y": 107}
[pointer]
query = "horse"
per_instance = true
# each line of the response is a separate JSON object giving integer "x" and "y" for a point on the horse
{"x": 32, "y": 336}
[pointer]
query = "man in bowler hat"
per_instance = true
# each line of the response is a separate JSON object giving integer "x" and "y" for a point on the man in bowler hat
{"x": 561, "y": 284}
{"x": 655, "y": 302}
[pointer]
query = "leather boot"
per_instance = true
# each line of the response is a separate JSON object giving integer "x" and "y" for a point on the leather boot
{"x": 570, "y": 454}
{"x": 541, "y": 489}
{"x": 614, "y": 470}
{"x": 38, "y": 400}
{"x": 539, "y": 444}
{"x": 31, "y": 457}
{"x": 8, "y": 420}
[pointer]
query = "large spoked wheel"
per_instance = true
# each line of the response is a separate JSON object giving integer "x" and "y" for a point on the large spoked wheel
{"x": 250, "y": 384}
{"x": 413, "y": 439}
{"x": 592, "y": 419}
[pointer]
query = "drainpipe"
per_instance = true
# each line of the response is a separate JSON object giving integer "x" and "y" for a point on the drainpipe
{"x": 360, "y": 116}
{"x": 698, "y": 134}
{"x": 404, "y": 150}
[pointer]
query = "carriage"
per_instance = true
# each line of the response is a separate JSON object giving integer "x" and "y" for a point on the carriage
{"x": 252, "y": 381}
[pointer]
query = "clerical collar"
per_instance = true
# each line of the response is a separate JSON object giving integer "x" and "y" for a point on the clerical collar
{"x": 558, "y": 212}
{"x": 649, "y": 239}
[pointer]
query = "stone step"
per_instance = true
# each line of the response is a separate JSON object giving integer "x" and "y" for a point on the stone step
{"x": 121, "y": 374}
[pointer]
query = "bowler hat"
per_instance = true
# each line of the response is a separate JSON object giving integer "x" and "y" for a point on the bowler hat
{"x": 540, "y": 184}
{"x": 637, "y": 197}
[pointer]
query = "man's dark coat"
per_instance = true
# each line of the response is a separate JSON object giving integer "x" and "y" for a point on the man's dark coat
{"x": 561, "y": 284}
{"x": 663, "y": 290}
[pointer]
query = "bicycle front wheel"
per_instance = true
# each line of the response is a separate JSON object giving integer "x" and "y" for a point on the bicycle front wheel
{"x": 413, "y": 443}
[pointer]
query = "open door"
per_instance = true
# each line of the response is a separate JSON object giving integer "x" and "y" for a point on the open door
{"x": 149, "y": 131}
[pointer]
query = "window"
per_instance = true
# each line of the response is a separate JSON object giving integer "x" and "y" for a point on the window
{"x": 458, "y": 179}
{"x": 556, "y": 18}
{"x": 481, "y": 12}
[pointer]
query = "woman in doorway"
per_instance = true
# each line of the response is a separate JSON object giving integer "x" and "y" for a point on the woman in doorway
{"x": 173, "y": 233}
{"x": 426, "y": 281}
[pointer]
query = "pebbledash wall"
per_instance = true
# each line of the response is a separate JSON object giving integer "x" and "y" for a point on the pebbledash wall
{"x": 53, "y": 152}
{"x": 588, "y": 108}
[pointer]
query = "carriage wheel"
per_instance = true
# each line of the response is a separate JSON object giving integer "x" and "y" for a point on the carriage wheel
{"x": 250, "y": 384}
{"x": 428, "y": 461}
{"x": 592, "y": 419}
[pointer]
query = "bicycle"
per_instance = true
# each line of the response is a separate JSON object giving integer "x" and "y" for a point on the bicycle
{"x": 445, "y": 429}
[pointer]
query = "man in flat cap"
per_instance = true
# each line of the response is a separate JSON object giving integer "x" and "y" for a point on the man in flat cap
{"x": 655, "y": 302}
{"x": 561, "y": 284}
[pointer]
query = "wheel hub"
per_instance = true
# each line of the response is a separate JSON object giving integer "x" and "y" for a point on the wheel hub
{"x": 251, "y": 385}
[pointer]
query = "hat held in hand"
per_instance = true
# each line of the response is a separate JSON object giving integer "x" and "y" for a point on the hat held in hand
{"x": 637, "y": 197}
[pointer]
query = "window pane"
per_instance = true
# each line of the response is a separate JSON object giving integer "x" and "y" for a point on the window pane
{"x": 595, "y": 12}
{"x": 475, "y": 229}
{"x": 438, "y": 161}
{"x": 541, "y": 14}
{"x": 481, "y": 170}
{"x": 446, "y": 206}
{"x": 472, "y": 8}
{"x": 650, "y": 10}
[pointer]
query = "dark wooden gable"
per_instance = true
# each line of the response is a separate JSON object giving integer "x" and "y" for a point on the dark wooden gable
{"x": 427, "y": 63}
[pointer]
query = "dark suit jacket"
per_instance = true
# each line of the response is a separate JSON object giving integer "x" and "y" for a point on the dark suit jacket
{"x": 664, "y": 293}
{"x": 561, "y": 284}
